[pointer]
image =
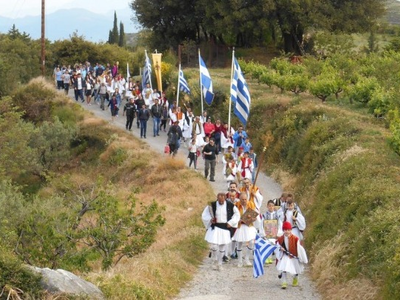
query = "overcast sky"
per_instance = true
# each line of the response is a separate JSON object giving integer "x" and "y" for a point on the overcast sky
{"x": 21, "y": 8}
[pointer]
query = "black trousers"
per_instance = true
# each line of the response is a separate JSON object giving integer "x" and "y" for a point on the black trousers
{"x": 129, "y": 121}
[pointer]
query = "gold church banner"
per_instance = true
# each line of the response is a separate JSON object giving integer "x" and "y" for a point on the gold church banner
{"x": 157, "y": 69}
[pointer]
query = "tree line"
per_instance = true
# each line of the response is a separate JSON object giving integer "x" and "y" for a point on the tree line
{"x": 249, "y": 23}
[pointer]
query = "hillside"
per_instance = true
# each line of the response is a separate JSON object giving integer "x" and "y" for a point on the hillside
{"x": 98, "y": 169}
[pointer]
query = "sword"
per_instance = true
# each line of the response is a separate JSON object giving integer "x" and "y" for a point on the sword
{"x": 283, "y": 249}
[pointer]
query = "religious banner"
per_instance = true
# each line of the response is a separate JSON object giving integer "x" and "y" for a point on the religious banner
{"x": 271, "y": 228}
{"x": 157, "y": 69}
{"x": 249, "y": 216}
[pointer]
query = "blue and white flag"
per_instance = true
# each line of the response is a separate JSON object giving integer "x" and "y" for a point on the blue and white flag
{"x": 240, "y": 94}
{"x": 206, "y": 82}
{"x": 262, "y": 250}
{"x": 183, "y": 85}
{"x": 146, "y": 78}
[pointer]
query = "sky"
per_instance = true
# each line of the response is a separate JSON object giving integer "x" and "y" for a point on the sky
{"x": 21, "y": 8}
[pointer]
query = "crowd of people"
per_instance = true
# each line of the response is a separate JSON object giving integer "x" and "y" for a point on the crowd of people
{"x": 235, "y": 218}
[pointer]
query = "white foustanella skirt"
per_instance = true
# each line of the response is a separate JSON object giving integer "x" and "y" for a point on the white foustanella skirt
{"x": 218, "y": 236}
{"x": 245, "y": 233}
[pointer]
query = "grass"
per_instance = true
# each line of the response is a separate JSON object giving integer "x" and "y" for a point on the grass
{"x": 111, "y": 157}
{"x": 333, "y": 157}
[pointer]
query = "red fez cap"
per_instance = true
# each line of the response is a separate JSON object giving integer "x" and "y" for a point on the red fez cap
{"x": 287, "y": 226}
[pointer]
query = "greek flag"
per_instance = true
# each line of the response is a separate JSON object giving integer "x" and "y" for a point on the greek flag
{"x": 262, "y": 250}
{"x": 183, "y": 85}
{"x": 240, "y": 94}
{"x": 146, "y": 78}
{"x": 206, "y": 82}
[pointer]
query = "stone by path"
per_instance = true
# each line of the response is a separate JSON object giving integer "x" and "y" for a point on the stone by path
{"x": 232, "y": 283}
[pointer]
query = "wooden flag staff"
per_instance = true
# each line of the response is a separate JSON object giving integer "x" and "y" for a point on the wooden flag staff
{"x": 268, "y": 139}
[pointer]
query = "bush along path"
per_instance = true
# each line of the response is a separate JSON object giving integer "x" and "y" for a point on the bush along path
{"x": 231, "y": 283}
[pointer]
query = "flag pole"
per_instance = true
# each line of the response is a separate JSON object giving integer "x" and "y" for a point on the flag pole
{"x": 230, "y": 98}
{"x": 259, "y": 165}
{"x": 177, "y": 91}
{"x": 201, "y": 85}
{"x": 127, "y": 78}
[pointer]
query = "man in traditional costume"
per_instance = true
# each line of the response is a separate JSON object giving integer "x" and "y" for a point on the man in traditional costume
{"x": 246, "y": 232}
{"x": 198, "y": 132}
{"x": 253, "y": 192}
{"x": 291, "y": 256}
{"x": 226, "y": 137}
{"x": 187, "y": 125}
{"x": 219, "y": 218}
{"x": 254, "y": 195}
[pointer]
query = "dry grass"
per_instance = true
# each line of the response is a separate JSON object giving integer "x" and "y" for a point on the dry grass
{"x": 288, "y": 181}
{"x": 353, "y": 151}
{"x": 329, "y": 277}
{"x": 165, "y": 266}
{"x": 180, "y": 246}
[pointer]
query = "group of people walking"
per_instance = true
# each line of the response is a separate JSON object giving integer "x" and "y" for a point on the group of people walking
{"x": 234, "y": 220}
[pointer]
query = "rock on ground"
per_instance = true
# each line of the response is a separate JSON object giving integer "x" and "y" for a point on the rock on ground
{"x": 64, "y": 282}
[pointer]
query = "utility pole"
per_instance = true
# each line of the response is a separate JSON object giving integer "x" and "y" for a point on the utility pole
{"x": 43, "y": 55}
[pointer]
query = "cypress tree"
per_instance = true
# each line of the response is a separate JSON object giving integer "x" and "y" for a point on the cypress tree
{"x": 122, "y": 39}
{"x": 110, "y": 37}
{"x": 114, "y": 35}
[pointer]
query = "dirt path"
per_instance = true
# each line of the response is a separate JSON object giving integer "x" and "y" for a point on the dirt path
{"x": 232, "y": 283}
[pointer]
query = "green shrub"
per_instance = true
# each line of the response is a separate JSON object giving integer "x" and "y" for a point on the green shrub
{"x": 363, "y": 90}
{"x": 17, "y": 278}
{"x": 118, "y": 157}
{"x": 35, "y": 100}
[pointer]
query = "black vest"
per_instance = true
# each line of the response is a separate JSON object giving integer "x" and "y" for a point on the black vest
{"x": 229, "y": 209}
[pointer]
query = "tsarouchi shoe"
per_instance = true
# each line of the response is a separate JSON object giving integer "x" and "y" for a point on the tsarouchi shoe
{"x": 295, "y": 281}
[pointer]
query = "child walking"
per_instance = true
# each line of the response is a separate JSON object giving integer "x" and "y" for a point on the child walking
{"x": 291, "y": 256}
{"x": 272, "y": 226}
